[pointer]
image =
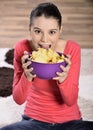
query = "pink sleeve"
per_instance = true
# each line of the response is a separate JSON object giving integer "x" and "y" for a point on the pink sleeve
{"x": 69, "y": 88}
{"x": 21, "y": 85}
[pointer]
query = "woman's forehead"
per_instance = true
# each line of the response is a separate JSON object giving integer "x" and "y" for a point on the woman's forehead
{"x": 45, "y": 22}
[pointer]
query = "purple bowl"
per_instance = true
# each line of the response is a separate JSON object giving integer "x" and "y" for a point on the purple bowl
{"x": 46, "y": 70}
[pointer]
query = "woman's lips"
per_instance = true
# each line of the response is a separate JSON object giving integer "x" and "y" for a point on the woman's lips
{"x": 45, "y": 46}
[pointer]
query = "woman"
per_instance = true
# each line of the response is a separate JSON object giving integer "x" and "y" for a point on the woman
{"x": 50, "y": 104}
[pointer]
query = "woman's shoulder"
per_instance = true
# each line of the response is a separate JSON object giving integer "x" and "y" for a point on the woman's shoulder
{"x": 21, "y": 46}
{"x": 22, "y": 43}
{"x": 68, "y": 45}
{"x": 72, "y": 46}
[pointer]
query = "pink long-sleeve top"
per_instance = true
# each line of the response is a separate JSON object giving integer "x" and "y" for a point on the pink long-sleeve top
{"x": 47, "y": 100}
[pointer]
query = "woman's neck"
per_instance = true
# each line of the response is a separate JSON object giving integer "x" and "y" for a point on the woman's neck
{"x": 60, "y": 47}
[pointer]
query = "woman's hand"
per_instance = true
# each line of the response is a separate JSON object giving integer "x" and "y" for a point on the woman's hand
{"x": 61, "y": 76}
{"x": 25, "y": 65}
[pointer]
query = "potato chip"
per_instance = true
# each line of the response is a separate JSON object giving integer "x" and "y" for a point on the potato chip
{"x": 46, "y": 56}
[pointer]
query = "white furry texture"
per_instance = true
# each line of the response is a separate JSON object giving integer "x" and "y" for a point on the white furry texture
{"x": 10, "y": 112}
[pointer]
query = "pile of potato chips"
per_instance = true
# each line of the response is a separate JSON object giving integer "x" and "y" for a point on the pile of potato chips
{"x": 46, "y": 56}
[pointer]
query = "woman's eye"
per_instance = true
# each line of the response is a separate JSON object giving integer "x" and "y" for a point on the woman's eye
{"x": 52, "y": 32}
{"x": 37, "y": 31}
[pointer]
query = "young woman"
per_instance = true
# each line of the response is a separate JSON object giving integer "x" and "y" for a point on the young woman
{"x": 50, "y": 104}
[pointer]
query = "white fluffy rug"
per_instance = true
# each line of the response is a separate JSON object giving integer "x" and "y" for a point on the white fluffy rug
{"x": 11, "y": 112}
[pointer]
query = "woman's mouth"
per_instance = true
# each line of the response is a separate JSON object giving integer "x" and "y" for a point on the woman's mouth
{"x": 45, "y": 46}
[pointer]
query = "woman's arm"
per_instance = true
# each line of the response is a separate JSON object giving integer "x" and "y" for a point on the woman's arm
{"x": 69, "y": 87}
{"x": 21, "y": 85}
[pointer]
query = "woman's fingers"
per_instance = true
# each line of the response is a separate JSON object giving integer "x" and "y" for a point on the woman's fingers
{"x": 26, "y": 65}
{"x": 61, "y": 76}
{"x": 24, "y": 57}
{"x": 29, "y": 74}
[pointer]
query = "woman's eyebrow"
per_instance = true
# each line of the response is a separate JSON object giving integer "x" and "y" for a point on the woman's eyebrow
{"x": 53, "y": 29}
{"x": 37, "y": 28}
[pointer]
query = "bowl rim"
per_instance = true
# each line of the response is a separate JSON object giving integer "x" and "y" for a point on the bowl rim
{"x": 48, "y": 63}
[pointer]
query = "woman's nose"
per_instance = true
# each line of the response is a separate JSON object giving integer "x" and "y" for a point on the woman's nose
{"x": 44, "y": 37}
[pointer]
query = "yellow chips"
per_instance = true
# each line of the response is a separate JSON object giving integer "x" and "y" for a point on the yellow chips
{"x": 46, "y": 56}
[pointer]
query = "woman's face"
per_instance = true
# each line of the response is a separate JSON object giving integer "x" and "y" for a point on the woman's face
{"x": 44, "y": 32}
